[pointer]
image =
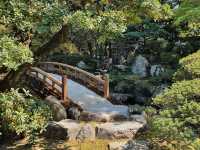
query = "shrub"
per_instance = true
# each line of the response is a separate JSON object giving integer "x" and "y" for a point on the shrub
{"x": 13, "y": 54}
{"x": 189, "y": 67}
{"x": 177, "y": 121}
{"x": 22, "y": 114}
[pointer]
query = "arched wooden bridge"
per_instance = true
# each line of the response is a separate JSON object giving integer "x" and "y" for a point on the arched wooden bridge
{"x": 71, "y": 84}
{"x": 44, "y": 70}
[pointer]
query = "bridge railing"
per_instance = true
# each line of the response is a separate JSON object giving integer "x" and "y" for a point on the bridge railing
{"x": 97, "y": 84}
{"x": 51, "y": 83}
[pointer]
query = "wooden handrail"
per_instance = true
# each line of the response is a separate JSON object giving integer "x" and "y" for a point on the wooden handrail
{"x": 38, "y": 71}
{"x": 56, "y": 87}
{"x": 70, "y": 67}
{"x": 97, "y": 84}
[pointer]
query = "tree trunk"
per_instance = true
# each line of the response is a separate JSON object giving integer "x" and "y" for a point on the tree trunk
{"x": 13, "y": 79}
{"x": 59, "y": 38}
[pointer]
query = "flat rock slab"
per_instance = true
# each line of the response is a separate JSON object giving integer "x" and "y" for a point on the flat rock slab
{"x": 101, "y": 117}
{"x": 119, "y": 145}
{"x": 129, "y": 145}
{"x": 118, "y": 130}
{"x": 91, "y": 102}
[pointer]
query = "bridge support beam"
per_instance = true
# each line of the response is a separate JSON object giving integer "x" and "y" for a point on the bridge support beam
{"x": 106, "y": 87}
{"x": 64, "y": 89}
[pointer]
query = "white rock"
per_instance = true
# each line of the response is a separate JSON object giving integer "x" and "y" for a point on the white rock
{"x": 156, "y": 70}
{"x": 82, "y": 65}
{"x": 139, "y": 67}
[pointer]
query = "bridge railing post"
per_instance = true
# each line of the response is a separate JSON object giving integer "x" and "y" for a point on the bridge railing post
{"x": 106, "y": 86}
{"x": 64, "y": 89}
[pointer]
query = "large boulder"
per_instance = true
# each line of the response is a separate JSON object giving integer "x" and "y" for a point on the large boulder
{"x": 87, "y": 132}
{"x": 140, "y": 66}
{"x": 63, "y": 130}
{"x": 118, "y": 130}
{"x": 120, "y": 98}
{"x": 58, "y": 110}
{"x": 73, "y": 113}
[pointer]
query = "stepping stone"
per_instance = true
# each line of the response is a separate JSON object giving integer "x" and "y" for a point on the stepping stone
{"x": 102, "y": 117}
{"x": 118, "y": 130}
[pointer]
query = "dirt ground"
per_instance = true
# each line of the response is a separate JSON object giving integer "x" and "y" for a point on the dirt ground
{"x": 47, "y": 144}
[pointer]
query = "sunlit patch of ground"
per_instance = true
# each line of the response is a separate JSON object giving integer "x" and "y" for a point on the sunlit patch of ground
{"x": 47, "y": 144}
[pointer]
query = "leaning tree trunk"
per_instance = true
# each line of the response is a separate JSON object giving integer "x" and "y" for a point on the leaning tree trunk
{"x": 59, "y": 38}
{"x": 14, "y": 78}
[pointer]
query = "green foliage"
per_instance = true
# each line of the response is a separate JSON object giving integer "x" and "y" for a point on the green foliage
{"x": 13, "y": 54}
{"x": 106, "y": 21}
{"x": 136, "y": 10}
{"x": 22, "y": 114}
{"x": 155, "y": 10}
{"x": 29, "y": 16}
{"x": 34, "y": 23}
{"x": 187, "y": 18}
{"x": 81, "y": 21}
{"x": 74, "y": 59}
{"x": 189, "y": 67}
{"x": 36, "y": 20}
{"x": 111, "y": 25}
{"x": 178, "y": 119}
{"x": 106, "y": 26}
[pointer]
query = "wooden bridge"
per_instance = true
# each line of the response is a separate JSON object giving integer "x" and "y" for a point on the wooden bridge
{"x": 44, "y": 71}
{"x": 77, "y": 87}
